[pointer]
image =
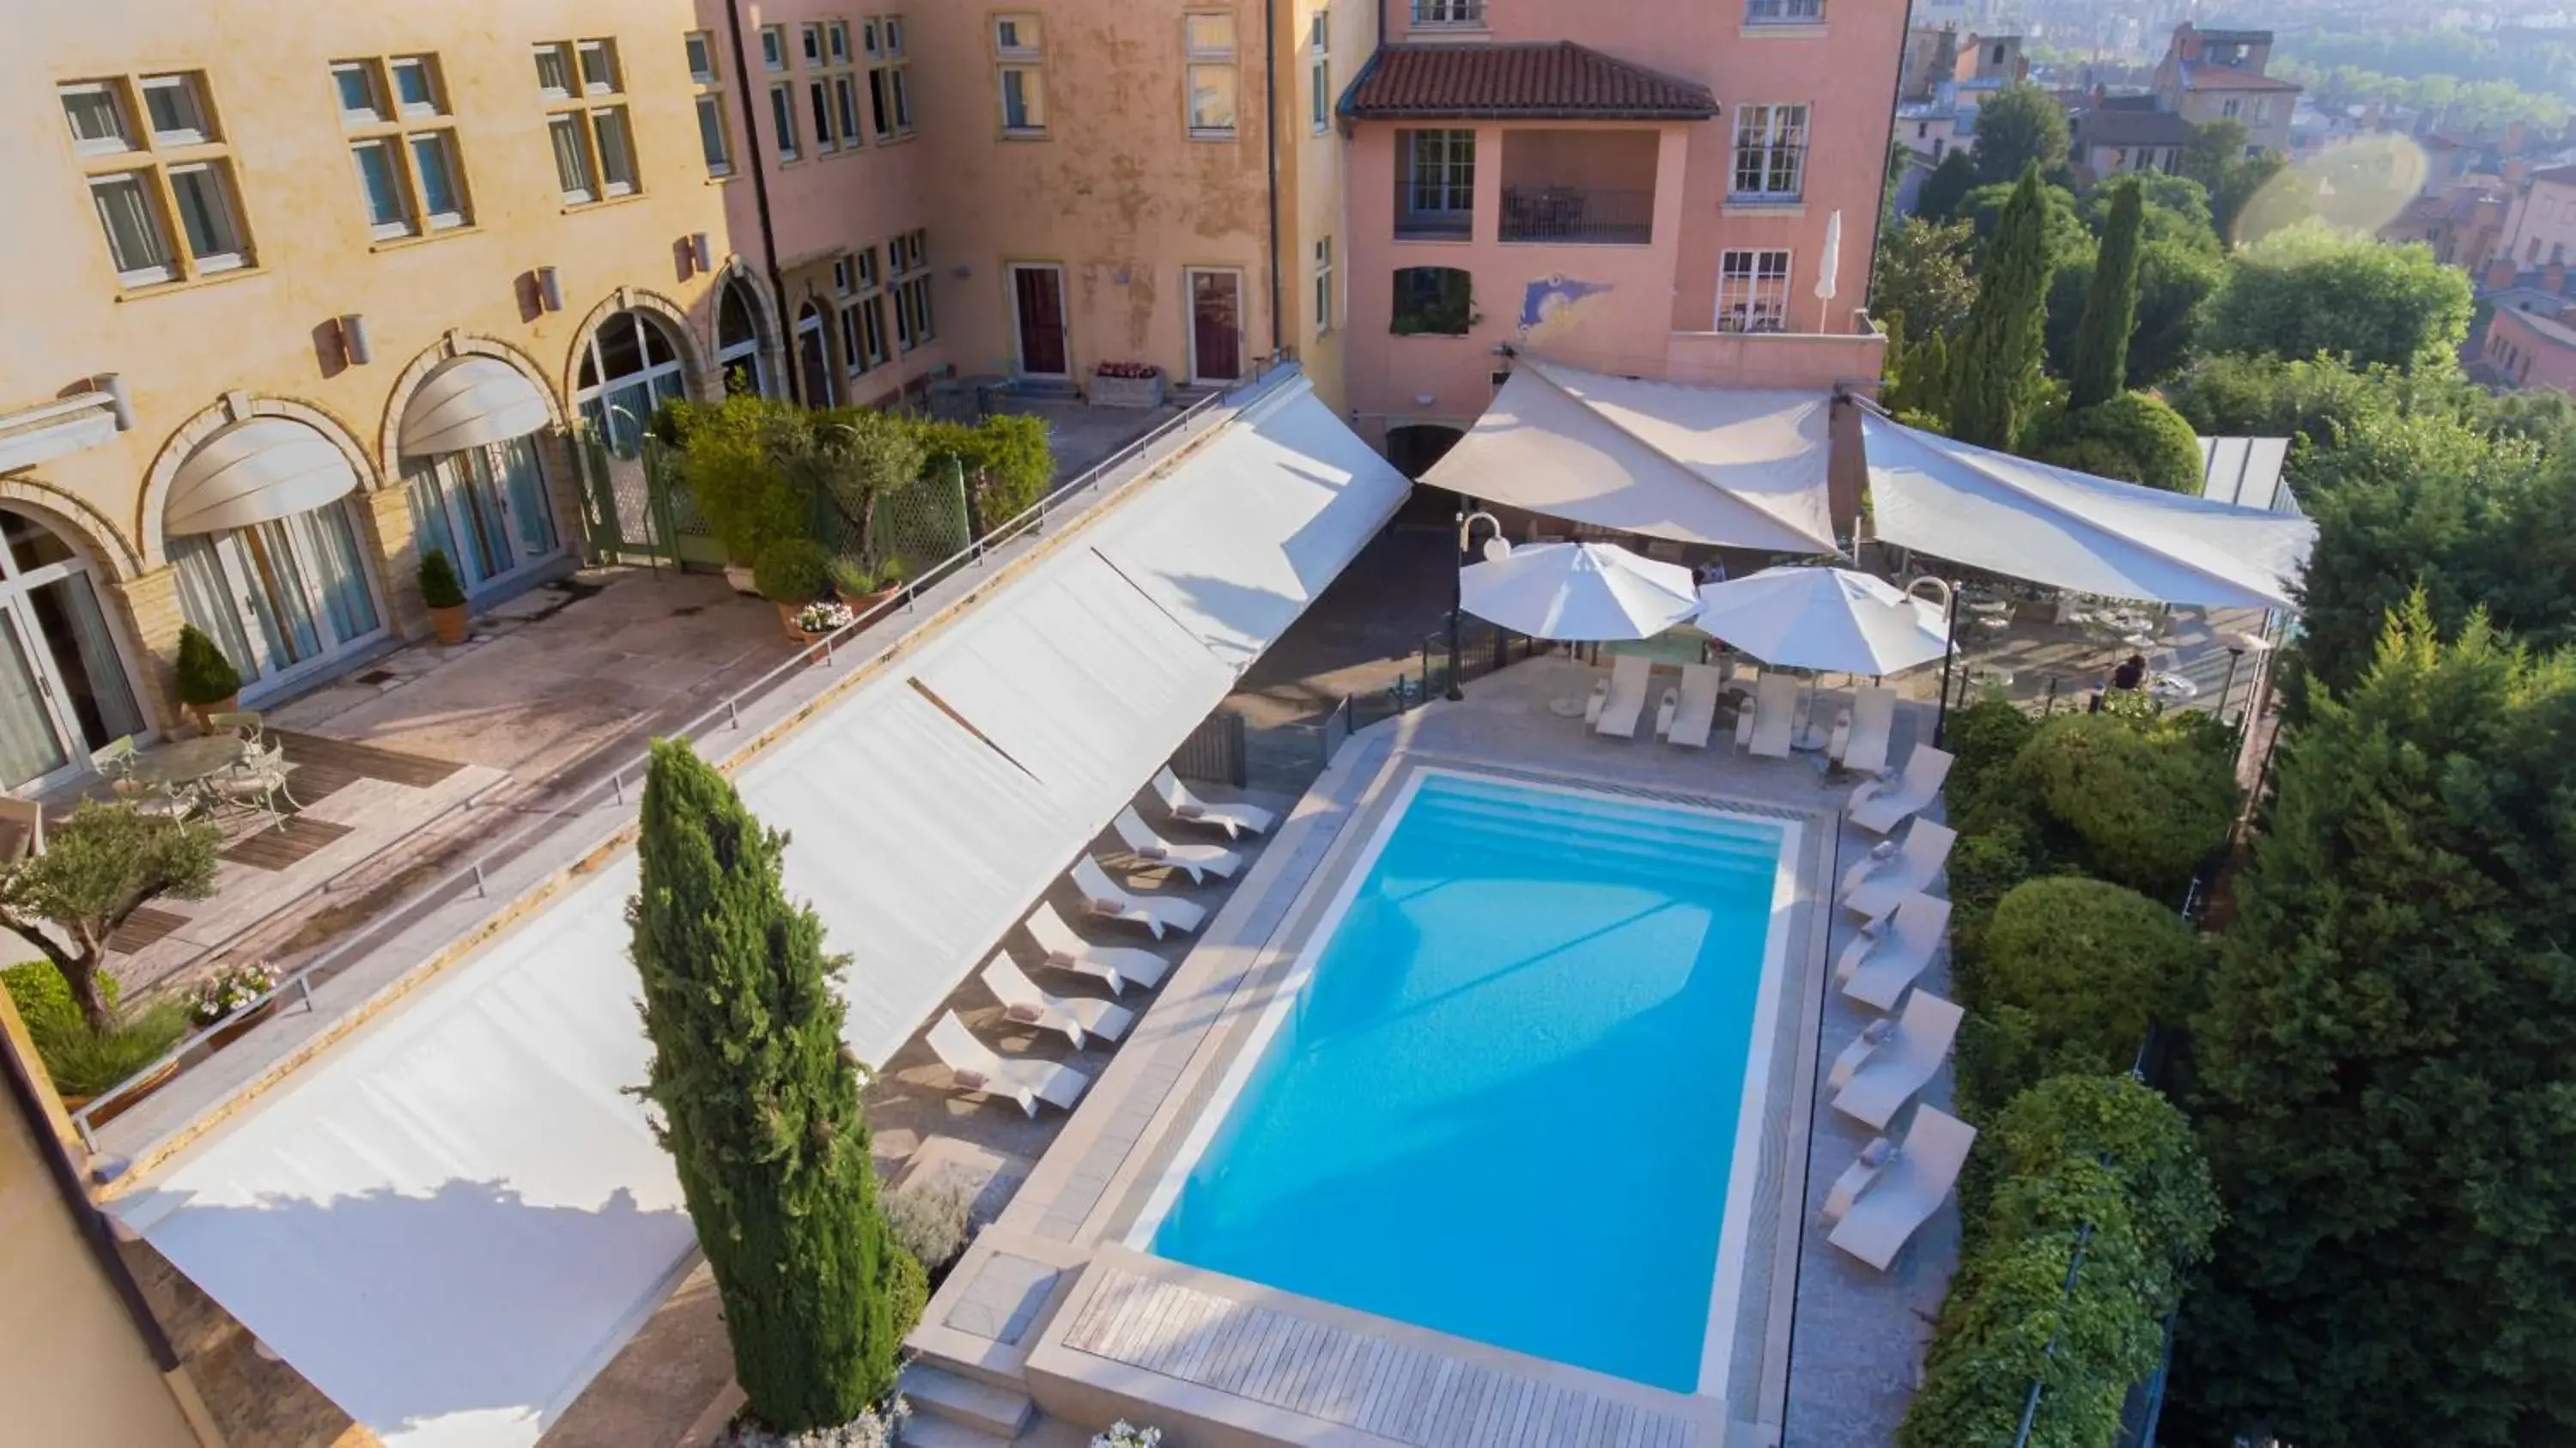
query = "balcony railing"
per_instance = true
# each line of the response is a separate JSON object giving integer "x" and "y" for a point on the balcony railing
{"x": 1578, "y": 215}
{"x": 1413, "y": 225}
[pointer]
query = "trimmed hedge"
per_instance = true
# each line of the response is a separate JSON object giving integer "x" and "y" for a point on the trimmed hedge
{"x": 2068, "y": 975}
{"x": 2134, "y": 438}
{"x": 2147, "y": 800}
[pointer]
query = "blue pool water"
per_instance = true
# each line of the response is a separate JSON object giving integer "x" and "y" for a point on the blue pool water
{"x": 1504, "y": 1104}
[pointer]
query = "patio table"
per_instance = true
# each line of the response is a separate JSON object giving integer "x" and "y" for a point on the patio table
{"x": 188, "y": 762}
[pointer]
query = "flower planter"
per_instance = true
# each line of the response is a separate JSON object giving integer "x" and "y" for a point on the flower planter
{"x": 1109, "y": 391}
{"x": 220, "y": 706}
{"x": 860, "y": 603}
{"x": 143, "y": 1086}
{"x": 450, "y": 622}
{"x": 787, "y": 620}
{"x": 239, "y": 1023}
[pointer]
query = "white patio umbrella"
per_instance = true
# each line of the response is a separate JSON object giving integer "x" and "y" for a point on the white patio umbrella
{"x": 1829, "y": 620}
{"x": 1578, "y": 592}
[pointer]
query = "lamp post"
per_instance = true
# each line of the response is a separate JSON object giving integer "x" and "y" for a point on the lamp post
{"x": 1458, "y": 587}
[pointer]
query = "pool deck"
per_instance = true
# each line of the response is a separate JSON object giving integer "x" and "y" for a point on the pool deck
{"x": 1051, "y": 1300}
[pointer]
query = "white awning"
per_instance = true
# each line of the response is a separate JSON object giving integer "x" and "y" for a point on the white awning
{"x": 2073, "y": 530}
{"x": 451, "y": 1225}
{"x": 2246, "y": 471}
{"x": 467, "y": 402}
{"x": 1739, "y": 467}
{"x": 254, "y": 471}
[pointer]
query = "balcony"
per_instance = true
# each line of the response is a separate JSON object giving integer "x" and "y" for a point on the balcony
{"x": 1580, "y": 216}
{"x": 1425, "y": 224}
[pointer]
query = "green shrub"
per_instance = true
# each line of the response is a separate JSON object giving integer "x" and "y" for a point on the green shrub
{"x": 733, "y": 466}
{"x": 2069, "y": 974}
{"x": 2133, "y": 437}
{"x": 792, "y": 570}
{"x": 439, "y": 587}
{"x": 853, "y": 578}
{"x": 2148, "y": 801}
{"x": 2148, "y": 1141}
{"x": 907, "y": 1291}
{"x": 930, "y": 1221}
{"x": 1005, "y": 459}
{"x": 84, "y": 1062}
{"x": 205, "y": 675}
{"x": 39, "y": 992}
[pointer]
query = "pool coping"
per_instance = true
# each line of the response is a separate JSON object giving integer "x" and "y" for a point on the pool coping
{"x": 1003, "y": 1313}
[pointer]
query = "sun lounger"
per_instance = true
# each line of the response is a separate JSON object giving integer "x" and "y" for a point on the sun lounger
{"x": 1629, "y": 674}
{"x": 1237, "y": 820}
{"x": 1079, "y": 1017}
{"x": 1860, "y": 734}
{"x": 1879, "y": 1072}
{"x": 1877, "y": 1205}
{"x": 1894, "y": 871}
{"x": 1117, "y": 966}
{"x": 1200, "y": 861}
{"x": 1694, "y": 706}
{"x": 1770, "y": 727}
{"x": 1876, "y": 968}
{"x": 978, "y": 1068}
{"x": 1104, "y": 899}
{"x": 1881, "y": 804}
{"x": 1592, "y": 705}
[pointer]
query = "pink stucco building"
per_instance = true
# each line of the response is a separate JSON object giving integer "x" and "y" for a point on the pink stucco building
{"x": 2531, "y": 349}
{"x": 1626, "y": 186}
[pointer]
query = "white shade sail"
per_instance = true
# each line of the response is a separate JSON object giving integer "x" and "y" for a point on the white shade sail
{"x": 468, "y": 402}
{"x": 2073, "y": 530}
{"x": 1578, "y": 591}
{"x": 1742, "y": 468}
{"x": 458, "y": 1220}
{"x": 254, "y": 471}
{"x": 2246, "y": 471}
{"x": 1828, "y": 619}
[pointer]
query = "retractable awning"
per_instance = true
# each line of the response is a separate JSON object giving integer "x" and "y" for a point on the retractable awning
{"x": 1738, "y": 467}
{"x": 255, "y": 471}
{"x": 2073, "y": 530}
{"x": 467, "y": 402}
{"x": 457, "y": 1217}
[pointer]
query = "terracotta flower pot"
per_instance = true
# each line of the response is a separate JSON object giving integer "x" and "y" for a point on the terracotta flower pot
{"x": 450, "y": 624}
{"x": 238, "y": 1024}
{"x": 128, "y": 1101}
{"x": 787, "y": 619}
{"x": 224, "y": 705}
{"x": 860, "y": 603}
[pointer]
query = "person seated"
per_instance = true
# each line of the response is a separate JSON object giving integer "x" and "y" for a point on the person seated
{"x": 2131, "y": 675}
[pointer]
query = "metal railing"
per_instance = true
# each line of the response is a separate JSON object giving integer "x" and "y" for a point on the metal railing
{"x": 726, "y": 714}
{"x": 1413, "y": 225}
{"x": 1578, "y": 215}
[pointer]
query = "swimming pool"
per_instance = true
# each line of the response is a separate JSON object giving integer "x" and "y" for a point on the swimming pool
{"x": 1501, "y": 1097}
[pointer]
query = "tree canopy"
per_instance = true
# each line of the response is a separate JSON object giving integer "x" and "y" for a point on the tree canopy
{"x": 1923, "y": 276}
{"x": 1947, "y": 188}
{"x": 2308, "y": 290}
{"x": 1995, "y": 372}
{"x": 2020, "y": 126}
{"x": 2101, "y": 368}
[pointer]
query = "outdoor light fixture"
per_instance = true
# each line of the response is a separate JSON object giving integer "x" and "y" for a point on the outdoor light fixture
{"x": 355, "y": 349}
{"x": 1457, "y": 586}
{"x": 549, "y": 289}
{"x": 702, "y": 252}
{"x": 1424, "y": 399}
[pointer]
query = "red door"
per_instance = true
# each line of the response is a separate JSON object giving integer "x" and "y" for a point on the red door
{"x": 1039, "y": 294}
{"x": 1216, "y": 326}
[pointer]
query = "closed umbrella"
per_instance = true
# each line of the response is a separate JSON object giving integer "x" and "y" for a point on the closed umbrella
{"x": 1830, "y": 620}
{"x": 1579, "y": 592}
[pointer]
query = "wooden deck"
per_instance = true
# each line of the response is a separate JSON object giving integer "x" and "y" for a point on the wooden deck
{"x": 1394, "y": 1391}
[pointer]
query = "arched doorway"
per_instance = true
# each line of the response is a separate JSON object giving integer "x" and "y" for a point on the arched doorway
{"x": 629, "y": 369}
{"x": 1415, "y": 447}
{"x": 472, "y": 472}
{"x": 739, "y": 353}
{"x": 814, "y": 356}
{"x": 64, "y": 690}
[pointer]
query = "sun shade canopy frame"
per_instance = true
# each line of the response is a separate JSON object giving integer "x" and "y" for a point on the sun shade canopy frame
{"x": 256, "y": 471}
{"x": 469, "y": 402}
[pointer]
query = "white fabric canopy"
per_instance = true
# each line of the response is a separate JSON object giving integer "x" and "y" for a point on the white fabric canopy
{"x": 467, "y": 402}
{"x": 2245, "y": 471}
{"x": 254, "y": 471}
{"x": 1583, "y": 592}
{"x": 451, "y": 1226}
{"x": 2072, "y": 530}
{"x": 1828, "y": 619}
{"x": 1737, "y": 467}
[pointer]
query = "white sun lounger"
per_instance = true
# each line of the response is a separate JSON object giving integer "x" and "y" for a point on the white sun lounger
{"x": 1079, "y": 1017}
{"x": 1894, "y": 871}
{"x": 1626, "y": 701}
{"x": 1117, "y": 966}
{"x": 1200, "y": 861}
{"x": 1691, "y": 711}
{"x": 1876, "y": 968}
{"x": 1877, "y": 1203}
{"x": 1105, "y": 899}
{"x": 1770, "y": 727}
{"x": 1237, "y": 820}
{"x": 1881, "y": 804}
{"x": 1882, "y": 1069}
{"x": 978, "y": 1068}
{"x": 1860, "y": 734}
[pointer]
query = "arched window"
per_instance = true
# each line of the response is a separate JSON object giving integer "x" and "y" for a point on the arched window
{"x": 738, "y": 343}
{"x": 63, "y": 686}
{"x": 630, "y": 368}
{"x": 814, "y": 356}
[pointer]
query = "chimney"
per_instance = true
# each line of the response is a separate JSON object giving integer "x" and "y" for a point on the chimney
{"x": 2500, "y": 273}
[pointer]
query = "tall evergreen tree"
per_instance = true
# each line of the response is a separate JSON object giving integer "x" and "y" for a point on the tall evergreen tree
{"x": 2386, "y": 1092}
{"x": 760, "y": 1107}
{"x": 1995, "y": 369}
{"x": 2101, "y": 369}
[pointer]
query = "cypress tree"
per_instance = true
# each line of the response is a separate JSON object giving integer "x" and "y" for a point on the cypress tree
{"x": 1995, "y": 371}
{"x": 2101, "y": 369}
{"x": 760, "y": 1107}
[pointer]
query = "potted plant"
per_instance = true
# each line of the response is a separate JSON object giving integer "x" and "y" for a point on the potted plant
{"x": 444, "y": 595}
{"x": 1127, "y": 384}
{"x": 208, "y": 682}
{"x": 1123, "y": 1434}
{"x": 792, "y": 572}
{"x": 235, "y": 995}
{"x": 822, "y": 616}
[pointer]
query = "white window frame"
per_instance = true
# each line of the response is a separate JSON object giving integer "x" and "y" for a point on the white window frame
{"x": 1197, "y": 57}
{"x": 570, "y": 68}
{"x": 909, "y": 279}
{"x": 377, "y": 110}
{"x": 606, "y": 52}
{"x": 1323, "y": 286}
{"x": 398, "y": 128}
{"x": 594, "y": 108}
{"x": 1763, "y": 126}
{"x": 708, "y": 92}
{"x": 1784, "y": 12}
{"x": 1759, "y": 284}
{"x": 782, "y": 120}
{"x": 167, "y": 269}
{"x": 870, "y": 305}
{"x": 120, "y": 144}
{"x": 1448, "y": 14}
{"x": 1319, "y": 70}
{"x": 426, "y": 67}
{"x": 187, "y": 84}
{"x": 1022, "y": 55}
{"x": 699, "y": 48}
{"x": 889, "y": 84}
{"x": 152, "y": 160}
{"x": 773, "y": 49}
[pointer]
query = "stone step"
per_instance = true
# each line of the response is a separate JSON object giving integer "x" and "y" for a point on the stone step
{"x": 935, "y": 1392}
{"x": 923, "y": 1431}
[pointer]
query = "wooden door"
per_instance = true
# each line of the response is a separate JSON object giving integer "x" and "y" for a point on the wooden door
{"x": 1216, "y": 326}
{"x": 1037, "y": 296}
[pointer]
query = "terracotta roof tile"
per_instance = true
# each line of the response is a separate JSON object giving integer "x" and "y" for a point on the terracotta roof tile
{"x": 1558, "y": 80}
{"x": 2206, "y": 77}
